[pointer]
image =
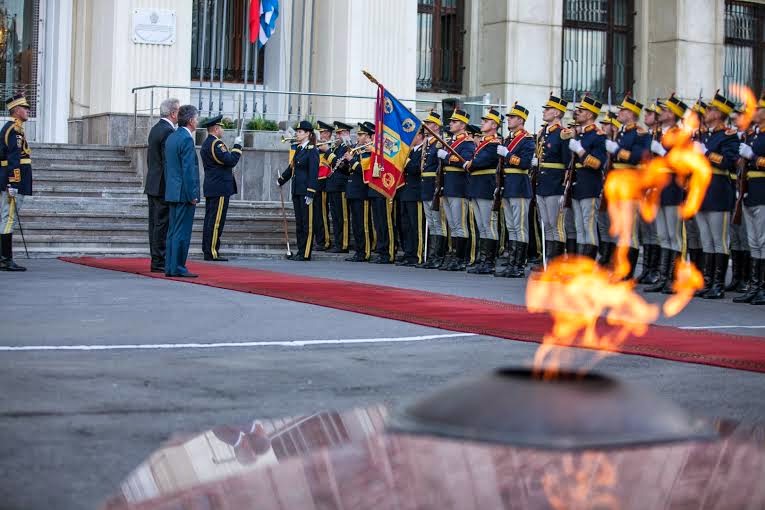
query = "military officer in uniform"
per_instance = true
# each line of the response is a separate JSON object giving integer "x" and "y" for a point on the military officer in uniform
{"x": 15, "y": 176}
{"x": 668, "y": 223}
{"x": 219, "y": 185}
{"x": 610, "y": 126}
{"x": 336, "y": 182}
{"x": 304, "y": 172}
{"x": 435, "y": 220}
{"x": 482, "y": 171}
{"x": 721, "y": 149}
{"x": 454, "y": 199}
{"x": 412, "y": 216}
{"x": 631, "y": 146}
{"x": 590, "y": 150}
{"x": 691, "y": 226}
{"x": 518, "y": 153}
{"x": 754, "y": 207}
{"x": 321, "y": 218}
{"x": 552, "y": 156}
{"x": 357, "y": 193}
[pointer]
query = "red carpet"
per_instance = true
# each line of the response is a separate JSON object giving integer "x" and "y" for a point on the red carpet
{"x": 450, "y": 312}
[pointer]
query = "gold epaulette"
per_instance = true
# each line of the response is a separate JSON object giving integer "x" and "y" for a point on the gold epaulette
{"x": 731, "y": 132}
{"x": 553, "y": 128}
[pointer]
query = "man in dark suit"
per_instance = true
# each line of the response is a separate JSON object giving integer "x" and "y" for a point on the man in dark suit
{"x": 155, "y": 182}
{"x": 181, "y": 190}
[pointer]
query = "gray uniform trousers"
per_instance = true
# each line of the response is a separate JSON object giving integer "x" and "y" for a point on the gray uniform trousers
{"x": 553, "y": 221}
{"x": 436, "y": 220}
{"x": 9, "y": 211}
{"x": 456, "y": 210}
{"x": 569, "y": 220}
{"x": 754, "y": 218}
{"x": 585, "y": 216}
{"x": 604, "y": 226}
{"x": 713, "y": 230}
{"x": 487, "y": 220}
{"x": 516, "y": 211}
{"x": 648, "y": 232}
{"x": 738, "y": 238}
{"x": 669, "y": 228}
{"x": 692, "y": 236}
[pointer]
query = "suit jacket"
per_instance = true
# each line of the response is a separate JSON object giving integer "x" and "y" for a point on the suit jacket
{"x": 181, "y": 168}
{"x": 155, "y": 159}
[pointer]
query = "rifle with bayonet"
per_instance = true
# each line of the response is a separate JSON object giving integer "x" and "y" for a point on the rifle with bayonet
{"x": 609, "y": 157}
{"x": 499, "y": 184}
{"x": 439, "y": 187}
{"x": 568, "y": 179}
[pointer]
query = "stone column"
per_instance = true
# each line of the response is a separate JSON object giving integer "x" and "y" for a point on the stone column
{"x": 53, "y": 110}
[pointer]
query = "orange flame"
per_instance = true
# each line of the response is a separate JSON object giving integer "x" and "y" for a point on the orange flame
{"x": 750, "y": 104}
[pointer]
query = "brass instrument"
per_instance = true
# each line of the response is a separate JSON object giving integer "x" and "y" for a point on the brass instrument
{"x": 359, "y": 148}
{"x": 289, "y": 139}
{"x": 331, "y": 141}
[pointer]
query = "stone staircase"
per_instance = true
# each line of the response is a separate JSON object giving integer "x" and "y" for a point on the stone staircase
{"x": 88, "y": 200}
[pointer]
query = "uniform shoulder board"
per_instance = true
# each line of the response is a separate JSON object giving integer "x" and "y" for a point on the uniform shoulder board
{"x": 309, "y": 146}
{"x": 553, "y": 128}
{"x": 529, "y": 135}
{"x": 731, "y": 132}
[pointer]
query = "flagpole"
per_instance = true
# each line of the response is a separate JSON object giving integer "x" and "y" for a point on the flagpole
{"x": 222, "y": 55}
{"x": 247, "y": 53}
{"x": 424, "y": 125}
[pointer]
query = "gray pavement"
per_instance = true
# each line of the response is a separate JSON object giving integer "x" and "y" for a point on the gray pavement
{"x": 74, "y": 423}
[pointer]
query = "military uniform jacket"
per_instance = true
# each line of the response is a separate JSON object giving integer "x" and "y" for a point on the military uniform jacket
{"x": 722, "y": 153}
{"x": 482, "y": 171}
{"x": 455, "y": 177}
{"x": 219, "y": 164}
{"x": 672, "y": 194}
{"x": 337, "y": 180}
{"x": 588, "y": 180}
{"x": 634, "y": 146}
{"x": 755, "y": 175}
{"x": 411, "y": 190}
{"x": 15, "y": 158}
{"x": 303, "y": 170}
{"x": 517, "y": 164}
{"x": 355, "y": 187}
{"x": 428, "y": 177}
{"x": 552, "y": 164}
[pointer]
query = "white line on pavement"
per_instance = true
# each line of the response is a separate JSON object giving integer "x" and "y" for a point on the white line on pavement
{"x": 289, "y": 343}
{"x": 722, "y": 327}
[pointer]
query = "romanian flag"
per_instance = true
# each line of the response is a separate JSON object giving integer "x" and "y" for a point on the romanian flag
{"x": 395, "y": 128}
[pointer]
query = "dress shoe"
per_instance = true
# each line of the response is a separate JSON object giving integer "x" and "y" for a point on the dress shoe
{"x": 186, "y": 275}
{"x": 321, "y": 247}
{"x": 337, "y": 249}
{"x": 379, "y": 259}
{"x": 157, "y": 270}
{"x": 10, "y": 265}
{"x": 218, "y": 259}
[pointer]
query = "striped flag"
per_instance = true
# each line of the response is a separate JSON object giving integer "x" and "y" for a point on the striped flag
{"x": 263, "y": 15}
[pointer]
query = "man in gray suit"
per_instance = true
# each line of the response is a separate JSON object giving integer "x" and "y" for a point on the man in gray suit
{"x": 155, "y": 181}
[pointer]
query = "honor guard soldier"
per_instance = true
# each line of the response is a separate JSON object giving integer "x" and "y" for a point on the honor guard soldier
{"x": 436, "y": 220}
{"x": 590, "y": 150}
{"x": 647, "y": 234}
{"x": 321, "y": 218}
{"x": 15, "y": 176}
{"x": 721, "y": 149}
{"x": 631, "y": 147}
{"x": 412, "y": 216}
{"x": 454, "y": 199}
{"x": 753, "y": 208}
{"x": 219, "y": 184}
{"x": 692, "y": 237}
{"x": 668, "y": 222}
{"x": 357, "y": 193}
{"x": 382, "y": 222}
{"x": 516, "y": 190}
{"x": 610, "y": 126}
{"x": 482, "y": 181}
{"x": 739, "y": 247}
{"x": 336, "y": 182}
{"x": 552, "y": 156}
{"x": 304, "y": 172}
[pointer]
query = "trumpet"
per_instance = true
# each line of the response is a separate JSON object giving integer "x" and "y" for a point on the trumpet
{"x": 288, "y": 139}
{"x": 332, "y": 141}
{"x": 358, "y": 148}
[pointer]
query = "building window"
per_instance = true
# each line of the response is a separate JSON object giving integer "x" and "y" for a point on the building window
{"x": 223, "y": 31}
{"x": 597, "y": 47}
{"x": 440, "y": 33}
{"x": 744, "y": 45}
{"x": 19, "y": 21}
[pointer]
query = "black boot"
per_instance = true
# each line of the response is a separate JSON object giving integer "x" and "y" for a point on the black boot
{"x": 7, "y": 263}
{"x": 707, "y": 268}
{"x": 759, "y": 298}
{"x": 430, "y": 253}
{"x": 717, "y": 290}
{"x": 737, "y": 261}
{"x": 755, "y": 284}
{"x": 548, "y": 251}
{"x": 558, "y": 249}
{"x": 589, "y": 250}
{"x": 746, "y": 274}
{"x": 457, "y": 262}
{"x": 606, "y": 253}
{"x": 440, "y": 245}
{"x": 670, "y": 276}
{"x": 506, "y": 270}
{"x": 697, "y": 258}
{"x": 648, "y": 256}
{"x": 664, "y": 272}
{"x": 652, "y": 270}
{"x": 491, "y": 254}
{"x": 632, "y": 257}
{"x": 3, "y": 259}
{"x": 519, "y": 264}
{"x": 571, "y": 246}
{"x": 480, "y": 261}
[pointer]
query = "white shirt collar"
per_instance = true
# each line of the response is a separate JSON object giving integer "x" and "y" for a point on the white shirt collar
{"x": 190, "y": 133}
{"x": 304, "y": 144}
{"x": 417, "y": 147}
{"x": 169, "y": 122}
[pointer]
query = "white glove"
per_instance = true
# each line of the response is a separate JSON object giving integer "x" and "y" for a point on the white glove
{"x": 535, "y": 161}
{"x": 745, "y": 151}
{"x": 658, "y": 148}
{"x": 308, "y": 200}
{"x": 700, "y": 147}
{"x": 465, "y": 164}
{"x": 238, "y": 140}
{"x": 442, "y": 154}
{"x": 612, "y": 147}
{"x": 575, "y": 145}
{"x": 12, "y": 192}
{"x": 740, "y": 135}
{"x": 502, "y": 151}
